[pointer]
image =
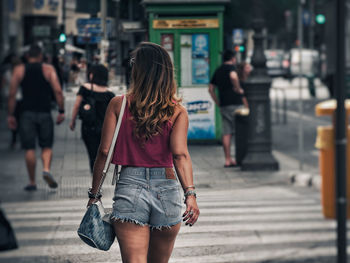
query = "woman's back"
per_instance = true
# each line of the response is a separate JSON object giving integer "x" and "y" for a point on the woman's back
{"x": 131, "y": 150}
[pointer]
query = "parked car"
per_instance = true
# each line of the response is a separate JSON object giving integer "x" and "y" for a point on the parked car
{"x": 277, "y": 62}
{"x": 309, "y": 65}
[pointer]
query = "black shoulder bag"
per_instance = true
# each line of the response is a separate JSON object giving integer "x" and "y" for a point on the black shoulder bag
{"x": 87, "y": 109}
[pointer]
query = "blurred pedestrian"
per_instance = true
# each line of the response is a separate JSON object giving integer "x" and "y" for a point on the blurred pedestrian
{"x": 329, "y": 81}
{"x": 152, "y": 139}
{"x": 6, "y": 81}
{"x": 83, "y": 70}
{"x": 5, "y": 75}
{"x": 243, "y": 71}
{"x": 97, "y": 91}
{"x": 74, "y": 72}
{"x": 57, "y": 64}
{"x": 36, "y": 80}
{"x": 226, "y": 80}
{"x": 65, "y": 72}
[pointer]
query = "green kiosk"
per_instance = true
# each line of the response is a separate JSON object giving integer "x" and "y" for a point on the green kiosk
{"x": 192, "y": 33}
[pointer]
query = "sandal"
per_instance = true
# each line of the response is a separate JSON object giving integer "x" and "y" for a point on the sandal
{"x": 230, "y": 165}
{"x": 30, "y": 188}
{"x": 49, "y": 180}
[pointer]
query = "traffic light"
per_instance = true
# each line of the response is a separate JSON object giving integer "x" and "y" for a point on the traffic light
{"x": 62, "y": 38}
{"x": 319, "y": 37}
{"x": 320, "y": 19}
{"x": 240, "y": 48}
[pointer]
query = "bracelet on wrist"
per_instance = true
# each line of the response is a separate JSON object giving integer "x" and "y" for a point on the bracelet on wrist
{"x": 190, "y": 193}
{"x": 188, "y": 187}
{"x": 94, "y": 196}
{"x": 61, "y": 111}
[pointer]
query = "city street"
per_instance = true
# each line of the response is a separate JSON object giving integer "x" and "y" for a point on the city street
{"x": 245, "y": 216}
{"x": 285, "y": 137}
{"x": 280, "y": 59}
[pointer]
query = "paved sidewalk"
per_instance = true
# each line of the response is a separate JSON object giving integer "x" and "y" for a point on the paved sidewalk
{"x": 245, "y": 216}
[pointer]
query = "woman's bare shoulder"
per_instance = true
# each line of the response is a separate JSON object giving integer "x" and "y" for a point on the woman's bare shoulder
{"x": 116, "y": 103}
{"x": 180, "y": 110}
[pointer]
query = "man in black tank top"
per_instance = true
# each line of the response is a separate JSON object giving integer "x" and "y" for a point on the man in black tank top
{"x": 231, "y": 97}
{"x": 37, "y": 81}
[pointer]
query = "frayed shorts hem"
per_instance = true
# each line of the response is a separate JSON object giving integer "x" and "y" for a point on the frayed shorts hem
{"x": 137, "y": 222}
{"x": 128, "y": 220}
{"x": 162, "y": 227}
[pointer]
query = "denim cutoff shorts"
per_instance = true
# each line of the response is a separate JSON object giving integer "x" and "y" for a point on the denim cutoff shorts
{"x": 145, "y": 196}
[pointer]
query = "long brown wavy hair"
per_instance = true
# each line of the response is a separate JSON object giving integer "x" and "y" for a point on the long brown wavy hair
{"x": 152, "y": 90}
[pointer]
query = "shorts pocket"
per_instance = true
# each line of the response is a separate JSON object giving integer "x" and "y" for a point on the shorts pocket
{"x": 171, "y": 201}
{"x": 126, "y": 197}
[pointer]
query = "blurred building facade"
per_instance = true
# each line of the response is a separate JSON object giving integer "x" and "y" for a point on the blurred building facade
{"x": 25, "y": 22}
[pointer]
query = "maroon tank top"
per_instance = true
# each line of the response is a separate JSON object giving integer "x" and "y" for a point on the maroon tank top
{"x": 130, "y": 151}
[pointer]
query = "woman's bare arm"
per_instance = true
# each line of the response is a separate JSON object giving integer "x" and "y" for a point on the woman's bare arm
{"x": 108, "y": 129}
{"x": 76, "y": 106}
{"x": 183, "y": 163}
{"x": 245, "y": 102}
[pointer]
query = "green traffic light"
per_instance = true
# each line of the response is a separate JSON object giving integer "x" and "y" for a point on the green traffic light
{"x": 62, "y": 38}
{"x": 320, "y": 19}
{"x": 241, "y": 48}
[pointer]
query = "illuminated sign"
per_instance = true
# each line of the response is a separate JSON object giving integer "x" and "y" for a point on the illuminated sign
{"x": 186, "y": 23}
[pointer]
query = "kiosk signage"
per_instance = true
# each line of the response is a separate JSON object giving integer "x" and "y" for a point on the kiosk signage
{"x": 201, "y": 113}
{"x": 186, "y": 23}
{"x": 194, "y": 42}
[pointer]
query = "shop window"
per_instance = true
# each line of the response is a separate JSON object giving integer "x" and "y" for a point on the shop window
{"x": 167, "y": 42}
{"x": 194, "y": 59}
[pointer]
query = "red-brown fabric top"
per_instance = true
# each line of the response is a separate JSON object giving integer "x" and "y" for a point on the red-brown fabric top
{"x": 130, "y": 151}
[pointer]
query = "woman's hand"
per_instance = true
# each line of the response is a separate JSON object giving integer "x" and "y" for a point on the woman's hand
{"x": 12, "y": 123}
{"x": 91, "y": 201}
{"x": 72, "y": 125}
{"x": 192, "y": 212}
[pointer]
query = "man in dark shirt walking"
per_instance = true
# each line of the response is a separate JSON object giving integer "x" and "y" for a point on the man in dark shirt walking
{"x": 37, "y": 81}
{"x": 230, "y": 99}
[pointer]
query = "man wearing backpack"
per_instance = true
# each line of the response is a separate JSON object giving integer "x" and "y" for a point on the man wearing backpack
{"x": 37, "y": 81}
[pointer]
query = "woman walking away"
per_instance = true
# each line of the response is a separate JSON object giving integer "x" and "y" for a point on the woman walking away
{"x": 91, "y": 104}
{"x": 152, "y": 139}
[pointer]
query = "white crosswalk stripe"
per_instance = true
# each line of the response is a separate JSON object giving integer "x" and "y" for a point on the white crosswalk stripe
{"x": 228, "y": 231}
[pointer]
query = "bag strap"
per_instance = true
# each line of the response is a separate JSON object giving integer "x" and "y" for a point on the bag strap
{"x": 111, "y": 148}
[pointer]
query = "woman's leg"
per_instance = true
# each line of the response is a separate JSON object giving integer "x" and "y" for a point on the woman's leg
{"x": 92, "y": 142}
{"x": 161, "y": 244}
{"x": 13, "y": 138}
{"x": 133, "y": 241}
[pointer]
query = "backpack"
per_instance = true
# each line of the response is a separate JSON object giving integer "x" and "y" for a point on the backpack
{"x": 87, "y": 109}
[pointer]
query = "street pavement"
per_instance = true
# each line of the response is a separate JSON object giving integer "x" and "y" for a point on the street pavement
{"x": 286, "y": 136}
{"x": 245, "y": 216}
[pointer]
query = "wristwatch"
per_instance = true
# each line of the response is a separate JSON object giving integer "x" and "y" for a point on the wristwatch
{"x": 60, "y": 111}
